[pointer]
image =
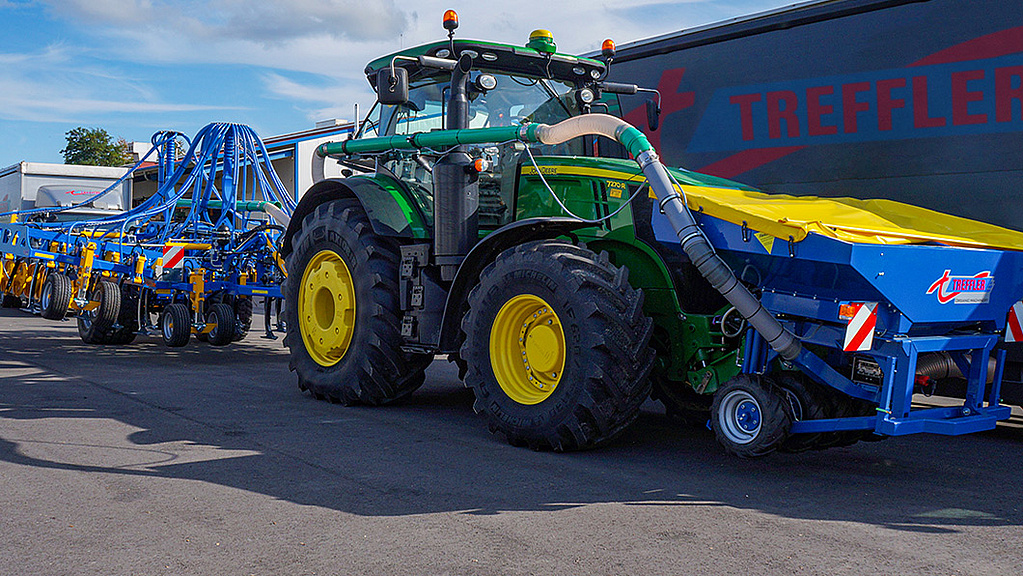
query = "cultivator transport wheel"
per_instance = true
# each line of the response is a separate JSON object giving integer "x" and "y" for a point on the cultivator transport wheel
{"x": 55, "y": 297}
{"x": 342, "y": 311}
{"x": 127, "y": 326}
{"x": 176, "y": 325}
{"x": 243, "y": 317}
{"x": 11, "y": 301}
{"x": 96, "y": 326}
{"x": 222, "y": 317}
{"x": 556, "y": 346}
{"x": 807, "y": 401}
{"x": 750, "y": 416}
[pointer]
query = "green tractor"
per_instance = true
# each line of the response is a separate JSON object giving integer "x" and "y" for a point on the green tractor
{"x": 450, "y": 228}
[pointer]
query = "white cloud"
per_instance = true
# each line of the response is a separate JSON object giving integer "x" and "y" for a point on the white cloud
{"x": 49, "y": 86}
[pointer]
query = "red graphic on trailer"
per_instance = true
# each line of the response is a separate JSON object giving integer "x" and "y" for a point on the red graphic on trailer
{"x": 941, "y": 94}
{"x": 963, "y": 289}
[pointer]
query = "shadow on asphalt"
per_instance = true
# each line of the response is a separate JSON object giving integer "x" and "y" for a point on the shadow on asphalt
{"x": 432, "y": 454}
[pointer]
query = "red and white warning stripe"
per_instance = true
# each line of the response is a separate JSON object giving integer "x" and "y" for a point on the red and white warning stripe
{"x": 859, "y": 333}
{"x": 1014, "y": 324}
{"x": 173, "y": 256}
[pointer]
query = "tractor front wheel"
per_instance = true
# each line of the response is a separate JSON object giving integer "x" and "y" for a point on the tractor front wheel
{"x": 342, "y": 310}
{"x": 556, "y": 346}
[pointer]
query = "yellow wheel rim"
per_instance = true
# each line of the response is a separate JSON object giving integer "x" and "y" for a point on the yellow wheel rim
{"x": 326, "y": 304}
{"x": 527, "y": 349}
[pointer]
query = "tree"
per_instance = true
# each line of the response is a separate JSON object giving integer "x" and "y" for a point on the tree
{"x": 94, "y": 147}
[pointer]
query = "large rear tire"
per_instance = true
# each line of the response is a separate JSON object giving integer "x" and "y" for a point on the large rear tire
{"x": 342, "y": 311}
{"x": 11, "y": 301}
{"x": 556, "y": 346}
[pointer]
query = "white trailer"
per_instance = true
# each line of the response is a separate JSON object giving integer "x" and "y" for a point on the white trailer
{"x": 28, "y": 185}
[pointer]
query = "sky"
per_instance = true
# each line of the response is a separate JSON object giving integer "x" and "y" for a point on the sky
{"x": 134, "y": 67}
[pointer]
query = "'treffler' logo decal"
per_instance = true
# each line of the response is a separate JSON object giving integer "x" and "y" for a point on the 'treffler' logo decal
{"x": 974, "y": 289}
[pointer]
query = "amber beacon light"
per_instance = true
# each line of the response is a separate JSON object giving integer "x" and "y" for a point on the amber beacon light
{"x": 450, "y": 20}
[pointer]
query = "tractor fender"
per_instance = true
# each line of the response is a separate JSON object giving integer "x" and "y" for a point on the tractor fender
{"x": 388, "y": 216}
{"x": 483, "y": 254}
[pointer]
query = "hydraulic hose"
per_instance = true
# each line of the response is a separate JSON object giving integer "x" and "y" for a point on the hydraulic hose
{"x": 694, "y": 242}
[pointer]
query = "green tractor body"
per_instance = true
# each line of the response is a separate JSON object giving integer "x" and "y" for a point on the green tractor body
{"x": 533, "y": 266}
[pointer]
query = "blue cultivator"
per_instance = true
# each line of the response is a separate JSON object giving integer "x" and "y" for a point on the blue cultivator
{"x": 195, "y": 253}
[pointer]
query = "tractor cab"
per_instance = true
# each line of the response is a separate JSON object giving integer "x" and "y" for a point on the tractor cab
{"x": 495, "y": 85}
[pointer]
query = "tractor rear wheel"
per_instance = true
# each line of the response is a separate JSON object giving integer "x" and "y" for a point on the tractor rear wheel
{"x": 750, "y": 416}
{"x": 342, "y": 310}
{"x": 556, "y": 345}
{"x": 11, "y": 301}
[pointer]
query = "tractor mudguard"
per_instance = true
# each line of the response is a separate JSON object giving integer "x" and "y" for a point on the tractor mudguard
{"x": 483, "y": 254}
{"x": 385, "y": 201}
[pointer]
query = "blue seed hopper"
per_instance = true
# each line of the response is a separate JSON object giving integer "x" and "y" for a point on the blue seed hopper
{"x": 885, "y": 298}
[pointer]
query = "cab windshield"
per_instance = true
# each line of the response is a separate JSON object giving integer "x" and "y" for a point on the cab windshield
{"x": 514, "y": 101}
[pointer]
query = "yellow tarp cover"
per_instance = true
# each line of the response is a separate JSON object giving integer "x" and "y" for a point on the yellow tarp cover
{"x": 848, "y": 219}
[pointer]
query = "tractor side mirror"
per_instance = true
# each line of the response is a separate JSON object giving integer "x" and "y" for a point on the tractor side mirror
{"x": 653, "y": 115}
{"x": 392, "y": 85}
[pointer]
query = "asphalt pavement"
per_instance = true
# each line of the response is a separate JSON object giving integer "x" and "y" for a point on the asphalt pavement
{"x": 200, "y": 460}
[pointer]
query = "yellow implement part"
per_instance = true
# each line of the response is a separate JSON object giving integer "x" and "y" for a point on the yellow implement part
{"x": 848, "y": 219}
{"x": 189, "y": 245}
{"x": 198, "y": 281}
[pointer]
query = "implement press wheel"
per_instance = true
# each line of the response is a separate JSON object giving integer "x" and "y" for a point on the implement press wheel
{"x": 342, "y": 310}
{"x": 55, "y": 297}
{"x": 556, "y": 346}
{"x": 96, "y": 326}
{"x": 222, "y": 317}
{"x": 750, "y": 416}
{"x": 176, "y": 325}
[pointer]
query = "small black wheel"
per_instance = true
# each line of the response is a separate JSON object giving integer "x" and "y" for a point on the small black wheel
{"x": 222, "y": 317}
{"x": 127, "y": 326}
{"x": 95, "y": 326}
{"x": 556, "y": 345}
{"x": 176, "y": 325}
{"x": 11, "y": 301}
{"x": 750, "y": 416}
{"x": 243, "y": 317}
{"x": 55, "y": 297}
{"x": 806, "y": 402}
{"x": 342, "y": 310}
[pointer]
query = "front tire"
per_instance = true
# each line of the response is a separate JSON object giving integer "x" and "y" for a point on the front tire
{"x": 342, "y": 310}
{"x": 556, "y": 347}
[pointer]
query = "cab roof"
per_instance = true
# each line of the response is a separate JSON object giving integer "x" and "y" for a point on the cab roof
{"x": 504, "y": 58}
